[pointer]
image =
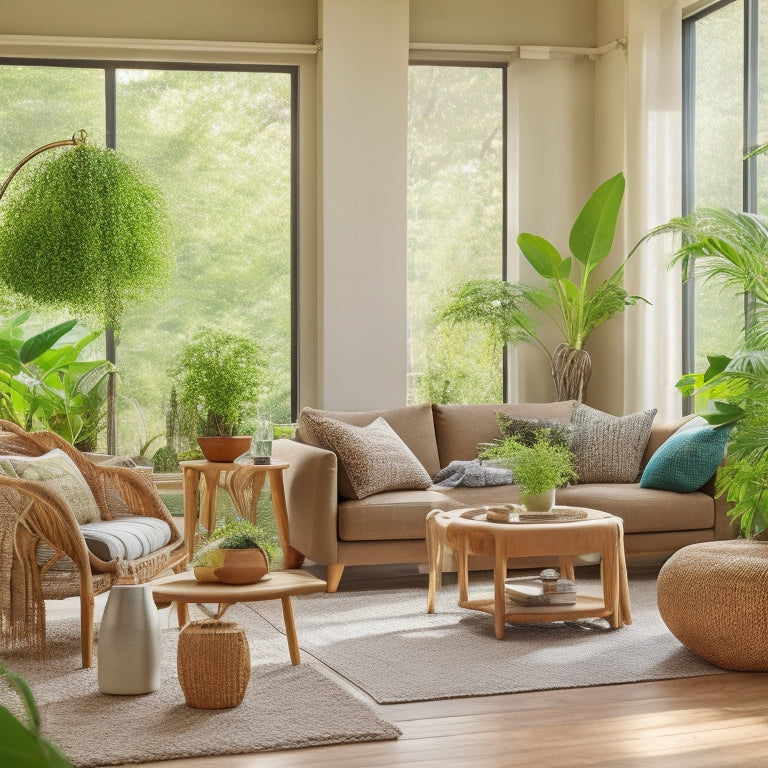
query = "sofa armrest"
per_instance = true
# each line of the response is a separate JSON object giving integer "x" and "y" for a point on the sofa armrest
{"x": 311, "y": 498}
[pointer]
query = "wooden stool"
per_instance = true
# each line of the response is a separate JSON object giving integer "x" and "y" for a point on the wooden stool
{"x": 714, "y": 599}
{"x": 214, "y": 663}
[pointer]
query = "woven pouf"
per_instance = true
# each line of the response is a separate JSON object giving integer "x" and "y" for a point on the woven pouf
{"x": 714, "y": 599}
{"x": 214, "y": 664}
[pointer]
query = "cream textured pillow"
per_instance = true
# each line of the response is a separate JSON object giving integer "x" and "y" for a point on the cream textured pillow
{"x": 375, "y": 457}
{"x": 609, "y": 449}
{"x": 60, "y": 473}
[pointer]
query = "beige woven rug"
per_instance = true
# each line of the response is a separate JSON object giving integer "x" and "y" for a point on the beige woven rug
{"x": 385, "y": 643}
{"x": 285, "y": 707}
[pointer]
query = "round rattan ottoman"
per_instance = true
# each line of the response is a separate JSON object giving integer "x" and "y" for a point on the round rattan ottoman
{"x": 214, "y": 663}
{"x": 714, "y": 599}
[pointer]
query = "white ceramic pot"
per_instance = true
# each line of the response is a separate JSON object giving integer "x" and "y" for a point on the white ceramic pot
{"x": 128, "y": 655}
{"x": 539, "y": 502}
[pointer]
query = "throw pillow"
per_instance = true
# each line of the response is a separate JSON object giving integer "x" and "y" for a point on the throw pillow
{"x": 60, "y": 473}
{"x": 375, "y": 457}
{"x": 686, "y": 460}
{"x": 609, "y": 449}
{"x": 526, "y": 431}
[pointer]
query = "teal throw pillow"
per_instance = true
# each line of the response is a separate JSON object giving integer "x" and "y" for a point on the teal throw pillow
{"x": 686, "y": 460}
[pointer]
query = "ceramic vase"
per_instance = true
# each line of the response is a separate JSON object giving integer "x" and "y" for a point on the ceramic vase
{"x": 129, "y": 642}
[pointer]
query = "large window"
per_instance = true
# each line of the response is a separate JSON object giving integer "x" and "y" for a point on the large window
{"x": 726, "y": 114}
{"x": 455, "y": 225}
{"x": 220, "y": 143}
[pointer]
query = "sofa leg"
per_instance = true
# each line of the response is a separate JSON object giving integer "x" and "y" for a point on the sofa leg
{"x": 333, "y": 576}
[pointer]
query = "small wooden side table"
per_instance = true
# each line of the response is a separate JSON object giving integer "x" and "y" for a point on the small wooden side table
{"x": 468, "y": 532}
{"x": 243, "y": 483}
{"x": 183, "y": 588}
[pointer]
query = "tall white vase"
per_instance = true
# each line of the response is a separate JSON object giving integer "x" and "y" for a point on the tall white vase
{"x": 129, "y": 642}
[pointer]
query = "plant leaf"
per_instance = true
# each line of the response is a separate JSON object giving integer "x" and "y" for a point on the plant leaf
{"x": 34, "y": 346}
{"x": 540, "y": 254}
{"x": 593, "y": 231}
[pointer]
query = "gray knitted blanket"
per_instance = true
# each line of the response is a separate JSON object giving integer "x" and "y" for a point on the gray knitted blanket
{"x": 472, "y": 474}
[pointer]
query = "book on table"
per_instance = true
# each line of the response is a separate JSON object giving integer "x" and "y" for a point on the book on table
{"x": 533, "y": 591}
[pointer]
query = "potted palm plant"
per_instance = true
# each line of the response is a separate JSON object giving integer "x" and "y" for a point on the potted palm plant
{"x": 538, "y": 467}
{"x": 219, "y": 377}
{"x": 513, "y": 312}
{"x": 730, "y": 247}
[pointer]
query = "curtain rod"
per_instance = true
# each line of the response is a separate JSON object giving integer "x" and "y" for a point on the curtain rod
{"x": 524, "y": 51}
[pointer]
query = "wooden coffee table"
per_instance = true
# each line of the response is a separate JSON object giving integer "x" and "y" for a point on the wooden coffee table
{"x": 183, "y": 588}
{"x": 468, "y": 532}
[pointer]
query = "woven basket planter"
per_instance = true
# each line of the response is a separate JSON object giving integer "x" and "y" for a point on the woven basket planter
{"x": 214, "y": 664}
{"x": 713, "y": 597}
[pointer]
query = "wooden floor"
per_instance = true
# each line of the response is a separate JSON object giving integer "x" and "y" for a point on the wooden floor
{"x": 713, "y": 721}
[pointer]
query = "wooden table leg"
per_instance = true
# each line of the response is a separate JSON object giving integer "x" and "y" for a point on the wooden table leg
{"x": 434, "y": 559}
{"x": 499, "y": 600}
{"x": 190, "y": 480}
{"x": 208, "y": 501}
{"x": 609, "y": 575}
{"x": 290, "y": 631}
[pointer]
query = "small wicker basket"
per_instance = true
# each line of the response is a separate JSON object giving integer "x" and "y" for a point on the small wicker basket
{"x": 214, "y": 664}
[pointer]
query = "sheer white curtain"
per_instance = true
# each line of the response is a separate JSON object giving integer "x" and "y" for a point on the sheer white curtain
{"x": 653, "y": 160}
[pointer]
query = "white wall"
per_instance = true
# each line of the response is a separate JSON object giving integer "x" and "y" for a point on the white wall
{"x": 363, "y": 82}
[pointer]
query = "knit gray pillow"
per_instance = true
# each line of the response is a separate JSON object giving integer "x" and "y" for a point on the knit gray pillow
{"x": 609, "y": 449}
{"x": 375, "y": 457}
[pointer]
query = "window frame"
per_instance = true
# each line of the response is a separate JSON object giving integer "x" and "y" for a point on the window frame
{"x": 109, "y": 68}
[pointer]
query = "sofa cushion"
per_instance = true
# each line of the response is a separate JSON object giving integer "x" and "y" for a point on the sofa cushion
{"x": 59, "y": 473}
{"x": 687, "y": 460}
{"x": 413, "y": 424}
{"x": 128, "y": 538}
{"x": 459, "y": 428}
{"x": 390, "y": 516}
{"x": 609, "y": 449}
{"x": 374, "y": 457}
{"x": 643, "y": 510}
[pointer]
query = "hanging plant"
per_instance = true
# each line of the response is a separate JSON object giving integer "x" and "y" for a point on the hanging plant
{"x": 85, "y": 230}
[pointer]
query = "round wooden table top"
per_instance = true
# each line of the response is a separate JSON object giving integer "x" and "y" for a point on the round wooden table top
{"x": 184, "y": 588}
{"x": 474, "y": 516}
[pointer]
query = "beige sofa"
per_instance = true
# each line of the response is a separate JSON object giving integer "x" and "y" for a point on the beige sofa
{"x": 389, "y": 527}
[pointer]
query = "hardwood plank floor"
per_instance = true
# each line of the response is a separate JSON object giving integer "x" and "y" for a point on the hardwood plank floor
{"x": 715, "y": 721}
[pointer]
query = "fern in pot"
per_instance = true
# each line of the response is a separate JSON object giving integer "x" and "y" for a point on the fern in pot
{"x": 538, "y": 468}
{"x": 219, "y": 377}
{"x": 237, "y": 553}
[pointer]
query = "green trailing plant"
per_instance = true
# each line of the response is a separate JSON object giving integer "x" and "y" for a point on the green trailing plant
{"x": 573, "y": 299}
{"x": 536, "y": 467}
{"x": 219, "y": 378}
{"x": 84, "y": 229}
{"x": 45, "y": 385}
{"x": 236, "y": 533}
{"x": 731, "y": 247}
{"x": 22, "y": 745}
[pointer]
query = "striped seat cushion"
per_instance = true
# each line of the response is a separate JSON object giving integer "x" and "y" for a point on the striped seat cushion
{"x": 128, "y": 538}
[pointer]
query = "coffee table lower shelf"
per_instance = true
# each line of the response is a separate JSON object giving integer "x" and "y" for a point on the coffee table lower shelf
{"x": 585, "y": 607}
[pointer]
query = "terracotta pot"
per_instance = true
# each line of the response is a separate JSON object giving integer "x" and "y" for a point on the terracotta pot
{"x": 224, "y": 449}
{"x": 243, "y": 566}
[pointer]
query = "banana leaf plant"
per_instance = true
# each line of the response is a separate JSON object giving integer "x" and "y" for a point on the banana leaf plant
{"x": 572, "y": 298}
{"x": 45, "y": 385}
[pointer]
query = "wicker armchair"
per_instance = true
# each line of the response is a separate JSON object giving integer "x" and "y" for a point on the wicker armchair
{"x": 43, "y": 554}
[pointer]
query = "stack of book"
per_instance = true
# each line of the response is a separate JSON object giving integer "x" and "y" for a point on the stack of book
{"x": 533, "y": 591}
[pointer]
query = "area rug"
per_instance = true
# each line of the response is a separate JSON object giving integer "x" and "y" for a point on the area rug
{"x": 386, "y": 644}
{"x": 285, "y": 707}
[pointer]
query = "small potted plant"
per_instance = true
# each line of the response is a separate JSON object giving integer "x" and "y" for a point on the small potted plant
{"x": 237, "y": 553}
{"x": 538, "y": 469}
{"x": 219, "y": 377}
